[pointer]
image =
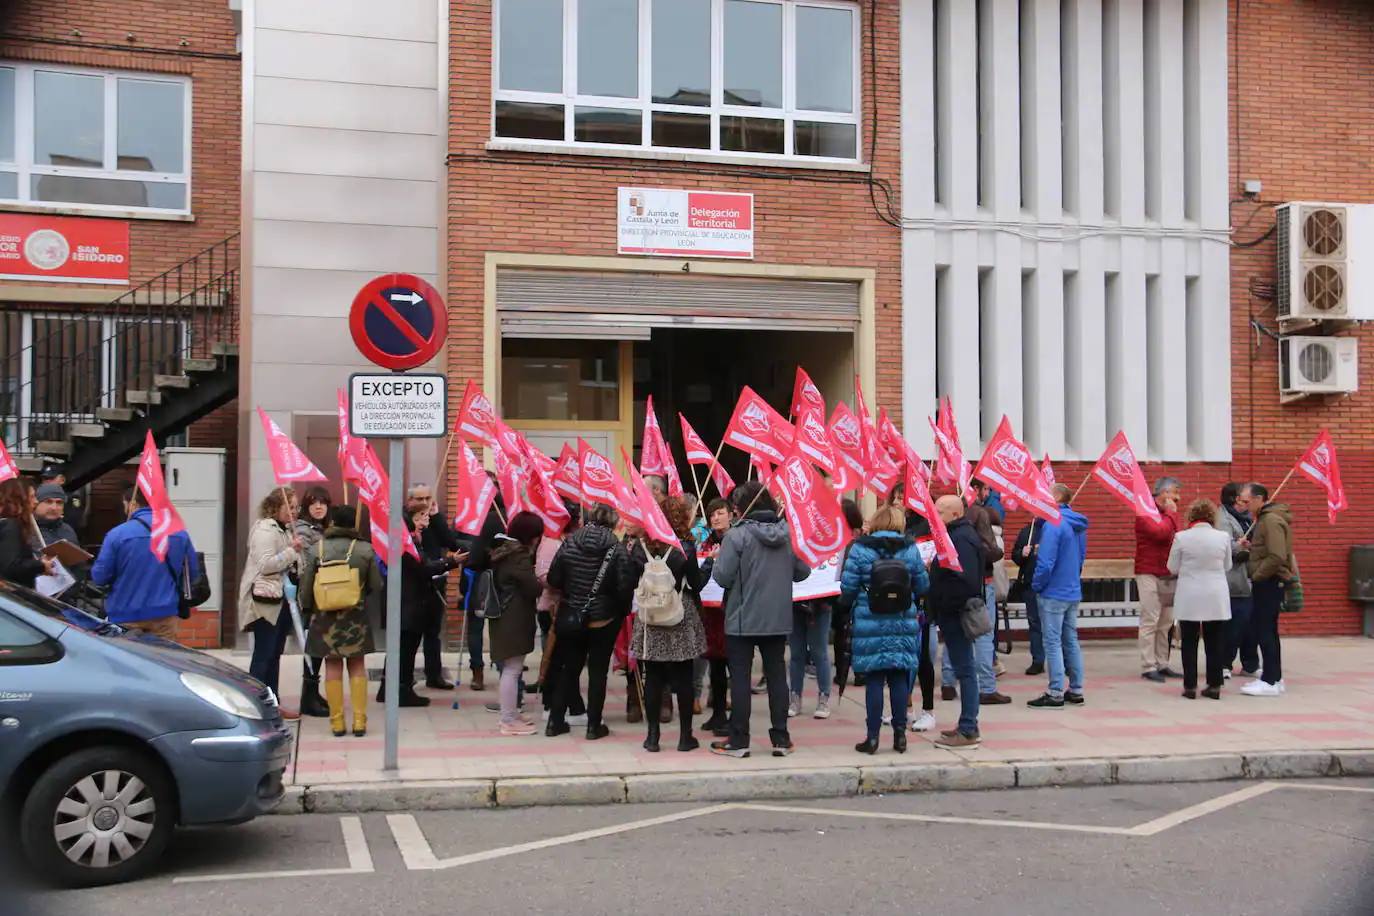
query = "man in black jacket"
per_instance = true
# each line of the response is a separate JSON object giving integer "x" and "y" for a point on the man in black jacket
{"x": 1023, "y": 554}
{"x": 949, "y": 591}
{"x": 437, "y": 542}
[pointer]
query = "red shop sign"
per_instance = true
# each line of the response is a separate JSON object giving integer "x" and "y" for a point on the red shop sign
{"x": 63, "y": 249}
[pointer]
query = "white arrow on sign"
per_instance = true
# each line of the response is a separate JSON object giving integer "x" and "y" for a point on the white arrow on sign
{"x": 412, "y": 298}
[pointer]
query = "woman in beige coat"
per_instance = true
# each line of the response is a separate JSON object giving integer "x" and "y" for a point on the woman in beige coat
{"x": 1200, "y": 557}
{"x": 272, "y": 550}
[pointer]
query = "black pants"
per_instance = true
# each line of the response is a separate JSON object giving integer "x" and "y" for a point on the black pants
{"x": 553, "y": 681}
{"x": 740, "y": 652}
{"x": 925, "y": 670}
{"x": 475, "y": 624}
{"x": 1264, "y": 618}
{"x": 720, "y": 685}
{"x": 1213, "y": 634}
{"x": 432, "y": 641}
{"x": 677, "y": 676}
{"x": 410, "y": 645}
{"x": 1240, "y": 635}
{"x": 590, "y": 648}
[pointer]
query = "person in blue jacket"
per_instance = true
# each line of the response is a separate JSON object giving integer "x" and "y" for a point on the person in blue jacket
{"x": 144, "y": 591}
{"x": 1058, "y": 585}
{"x": 885, "y": 647}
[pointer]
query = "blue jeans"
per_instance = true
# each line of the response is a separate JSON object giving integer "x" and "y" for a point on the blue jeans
{"x": 984, "y": 651}
{"x": 475, "y": 624}
{"x": 1240, "y": 636}
{"x": 269, "y": 639}
{"x": 898, "y": 683}
{"x": 1037, "y": 638}
{"x": 1060, "y": 620}
{"x": 810, "y": 631}
{"x": 959, "y": 651}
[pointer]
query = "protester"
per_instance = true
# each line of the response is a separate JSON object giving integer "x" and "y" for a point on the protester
{"x": 512, "y": 633}
{"x": 478, "y": 548}
{"x": 667, "y": 653}
{"x": 757, "y": 567}
{"x": 1154, "y": 582}
{"x": 1023, "y": 554}
{"x": 918, "y": 529}
{"x": 74, "y": 509}
{"x": 143, "y": 593}
{"x": 419, "y": 593}
{"x": 1058, "y": 587}
{"x": 1272, "y": 568}
{"x": 343, "y": 637}
{"x": 886, "y": 643}
{"x": 20, "y": 560}
{"x": 810, "y": 639}
{"x": 49, "y": 515}
{"x": 950, "y": 591}
{"x": 263, "y": 611}
{"x": 713, "y": 621}
{"x": 311, "y": 522}
{"x": 439, "y": 541}
{"x": 552, "y": 661}
{"x": 984, "y": 516}
{"x": 593, "y": 572}
{"x": 1200, "y": 557}
{"x": 1240, "y": 632}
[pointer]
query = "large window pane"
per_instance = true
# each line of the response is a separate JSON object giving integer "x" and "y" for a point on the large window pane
{"x": 753, "y": 53}
{"x": 825, "y": 59}
{"x": 682, "y": 52}
{"x": 560, "y": 379}
{"x": 9, "y": 185}
{"x": 529, "y": 120}
{"x": 821, "y": 138}
{"x": 69, "y": 119}
{"x": 608, "y": 48}
{"x": 152, "y": 126}
{"x": 7, "y": 114}
{"x": 674, "y": 128}
{"x": 532, "y": 45}
{"x": 114, "y": 192}
{"x": 609, "y": 125}
{"x": 67, "y": 365}
{"x": 751, "y": 135}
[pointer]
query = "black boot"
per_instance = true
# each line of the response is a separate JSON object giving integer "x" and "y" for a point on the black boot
{"x": 312, "y": 704}
{"x": 651, "y": 740}
{"x": 899, "y": 741}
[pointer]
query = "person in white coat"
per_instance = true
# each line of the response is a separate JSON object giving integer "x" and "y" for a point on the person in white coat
{"x": 1200, "y": 557}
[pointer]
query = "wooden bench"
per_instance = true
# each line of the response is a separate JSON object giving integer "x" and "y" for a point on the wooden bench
{"x": 1109, "y": 598}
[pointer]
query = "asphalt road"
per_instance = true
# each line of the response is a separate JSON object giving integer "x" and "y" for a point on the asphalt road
{"x": 1214, "y": 849}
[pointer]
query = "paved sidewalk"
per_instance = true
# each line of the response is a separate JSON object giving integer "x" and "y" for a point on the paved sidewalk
{"x": 1329, "y": 705}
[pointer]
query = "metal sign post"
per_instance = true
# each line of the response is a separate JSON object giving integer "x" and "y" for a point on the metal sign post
{"x": 396, "y": 530}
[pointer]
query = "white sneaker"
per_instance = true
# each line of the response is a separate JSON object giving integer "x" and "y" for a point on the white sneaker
{"x": 822, "y": 709}
{"x": 1283, "y": 688}
{"x": 578, "y": 720}
{"x": 1225, "y": 674}
{"x": 794, "y": 706}
{"x": 887, "y": 718}
{"x": 924, "y": 723}
{"x": 1258, "y": 688}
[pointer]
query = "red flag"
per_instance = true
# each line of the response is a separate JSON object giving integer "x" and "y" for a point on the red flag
{"x": 762, "y": 469}
{"x": 655, "y": 457}
{"x": 474, "y": 495}
{"x": 880, "y": 471}
{"x": 652, "y": 519}
{"x": 289, "y": 463}
{"x": 758, "y": 429}
{"x": 511, "y": 477}
{"x": 917, "y": 498}
{"x": 805, "y": 394}
{"x": 813, "y": 439}
{"x": 8, "y": 469}
{"x": 543, "y": 500}
{"x": 891, "y": 438}
{"x": 597, "y": 477}
{"x": 846, "y": 436}
{"x": 697, "y": 452}
{"x": 1119, "y": 470}
{"x": 722, "y": 479}
{"x": 166, "y": 521}
{"x": 818, "y": 527}
{"x": 1318, "y": 464}
{"x": 374, "y": 489}
{"x": 1007, "y": 465}
{"x": 477, "y": 415}
{"x": 567, "y": 479}
{"x": 1047, "y": 471}
{"x": 350, "y": 449}
{"x": 950, "y": 466}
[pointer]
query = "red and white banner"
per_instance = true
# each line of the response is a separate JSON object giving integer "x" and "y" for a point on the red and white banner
{"x": 824, "y": 582}
{"x": 805, "y": 394}
{"x": 655, "y": 456}
{"x": 166, "y": 521}
{"x": 597, "y": 477}
{"x": 63, "y": 249}
{"x": 567, "y": 479}
{"x": 510, "y": 476}
{"x": 289, "y": 464}
{"x": 475, "y": 493}
{"x": 654, "y": 522}
{"x": 1119, "y": 470}
{"x": 760, "y": 468}
{"x": 846, "y": 436}
{"x": 543, "y": 499}
{"x": 1008, "y": 467}
{"x": 374, "y": 490}
{"x": 758, "y": 429}
{"x": 8, "y": 469}
{"x": 1318, "y": 464}
{"x": 350, "y": 449}
{"x": 917, "y": 498}
{"x": 813, "y": 439}
{"x": 477, "y": 415}
{"x": 694, "y": 224}
{"x": 817, "y": 523}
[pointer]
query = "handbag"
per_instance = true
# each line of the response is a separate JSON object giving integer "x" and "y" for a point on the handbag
{"x": 576, "y": 620}
{"x": 1292, "y": 591}
{"x": 192, "y": 591}
{"x": 268, "y": 590}
{"x": 973, "y": 618}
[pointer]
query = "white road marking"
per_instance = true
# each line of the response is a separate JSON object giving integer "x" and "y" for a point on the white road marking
{"x": 1211, "y": 806}
{"x": 940, "y": 819}
{"x": 359, "y": 860}
{"x": 1326, "y": 787}
{"x": 419, "y": 855}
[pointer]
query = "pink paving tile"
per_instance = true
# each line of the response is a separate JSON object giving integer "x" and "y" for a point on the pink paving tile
{"x": 1101, "y": 713}
{"x": 1235, "y": 718}
{"x": 1333, "y": 734}
{"x": 992, "y": 742}
{"x": 1154, "y": 731}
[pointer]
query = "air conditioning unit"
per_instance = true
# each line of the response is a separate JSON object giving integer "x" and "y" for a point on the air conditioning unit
{"x": 1318, "y": 365}
{"x": 1326, "y": 262}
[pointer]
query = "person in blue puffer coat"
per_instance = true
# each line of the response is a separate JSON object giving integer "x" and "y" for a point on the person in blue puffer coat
{"x": 885, "y": 647}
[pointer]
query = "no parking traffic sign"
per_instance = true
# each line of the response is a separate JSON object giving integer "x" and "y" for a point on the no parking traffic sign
{"x": 398, "y": 321}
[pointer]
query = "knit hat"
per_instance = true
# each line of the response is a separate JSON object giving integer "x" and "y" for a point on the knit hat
{"x": 51, "y": 491}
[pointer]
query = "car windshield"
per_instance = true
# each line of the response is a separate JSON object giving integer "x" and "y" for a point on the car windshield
{"x": 58, "y": 610}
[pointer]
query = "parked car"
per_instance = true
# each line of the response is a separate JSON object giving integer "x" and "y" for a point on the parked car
{"x": 110, "y": 739}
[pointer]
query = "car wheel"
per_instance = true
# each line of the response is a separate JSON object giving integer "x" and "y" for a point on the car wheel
{"x": 98, "y": 816}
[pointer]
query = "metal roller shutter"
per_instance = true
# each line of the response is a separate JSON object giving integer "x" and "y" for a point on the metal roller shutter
{"x": 627, "y": 304}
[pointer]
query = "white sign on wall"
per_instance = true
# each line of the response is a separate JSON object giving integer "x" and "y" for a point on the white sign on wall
{"x": 396, "y": 405}
{"x": 693, "y": 224}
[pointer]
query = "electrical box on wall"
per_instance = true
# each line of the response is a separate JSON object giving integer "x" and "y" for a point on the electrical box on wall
{"x": 1318, "y": 365}
{"x": 1325, "y": 263}
{"x": 195, "y": 484}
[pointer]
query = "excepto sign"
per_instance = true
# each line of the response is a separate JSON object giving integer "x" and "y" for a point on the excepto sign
{"x": 693, "y": 224}
{"x": 398, "y": 321}
{"x": 397, "y": 406}
{"x": 63, "y": 249}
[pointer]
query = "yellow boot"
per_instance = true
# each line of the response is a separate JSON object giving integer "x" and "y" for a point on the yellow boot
{"x": 333, "y": 694}
{"x": 359, "y": 688}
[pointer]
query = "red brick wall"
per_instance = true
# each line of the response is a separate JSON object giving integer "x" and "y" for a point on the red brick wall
{"x": 95, "y": 33}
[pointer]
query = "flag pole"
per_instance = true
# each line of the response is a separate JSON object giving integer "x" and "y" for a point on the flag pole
{"x": 701, "y": 501}
{"x": 1081, "y": 486}
{"x": 715, "y": 459}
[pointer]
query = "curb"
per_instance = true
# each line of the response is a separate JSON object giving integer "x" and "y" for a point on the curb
{"x": 821, "y": 782}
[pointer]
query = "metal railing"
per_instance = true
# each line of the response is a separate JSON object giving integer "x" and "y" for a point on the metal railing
{"x": 68, "y": 366}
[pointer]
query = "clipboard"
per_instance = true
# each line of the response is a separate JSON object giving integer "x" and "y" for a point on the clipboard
{"x": 67, "y": 553}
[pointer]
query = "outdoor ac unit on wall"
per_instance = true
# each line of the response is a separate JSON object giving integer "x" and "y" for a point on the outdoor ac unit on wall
{"x": 1318, "y": 365}
{"x": 1326, "y": 262}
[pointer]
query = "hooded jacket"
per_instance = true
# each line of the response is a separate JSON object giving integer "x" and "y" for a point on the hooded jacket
{"x": 332, "y": 546}
{"x": 142, "y": 588}
{"x": 950, "y": 589}
{"x": 1271, "y": 546}
{"x": 1237, "y": 577}
{"x": 574, "y": 569}
{"x": 756, "y": 567}
{"x": 883, "y": 642}
{"x": 512, "y": 564}
{"x": 1059, "y": 561}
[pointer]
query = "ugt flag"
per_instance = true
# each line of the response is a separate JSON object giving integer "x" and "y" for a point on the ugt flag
{"x": 289, "y": 463}
{"x": 166, "y": 521}
{"x": 1007, "y": 466}
{"x": 1119, "y": 470}
{"x": 818, "y": 527}
{"x": 1318, "y": 464}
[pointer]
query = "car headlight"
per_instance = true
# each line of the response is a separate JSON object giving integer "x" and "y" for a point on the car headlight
{"x": 222, "y": 696}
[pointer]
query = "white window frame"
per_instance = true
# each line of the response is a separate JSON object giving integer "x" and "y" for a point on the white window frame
{"x": 24, "y": 167}
{"x": 789, "y": 114}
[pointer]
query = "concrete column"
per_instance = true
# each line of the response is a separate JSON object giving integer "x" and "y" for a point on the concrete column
{"x": 918, "y": 201}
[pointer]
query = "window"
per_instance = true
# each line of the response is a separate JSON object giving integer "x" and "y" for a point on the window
{"x": 572, "y": 380}
{"x": 21, "y": 644}
{"x": 751, "y": 77}
{"x": 89, "y": 138}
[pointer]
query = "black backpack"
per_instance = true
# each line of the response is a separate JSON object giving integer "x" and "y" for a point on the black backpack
{"x": 889, "y": 586}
